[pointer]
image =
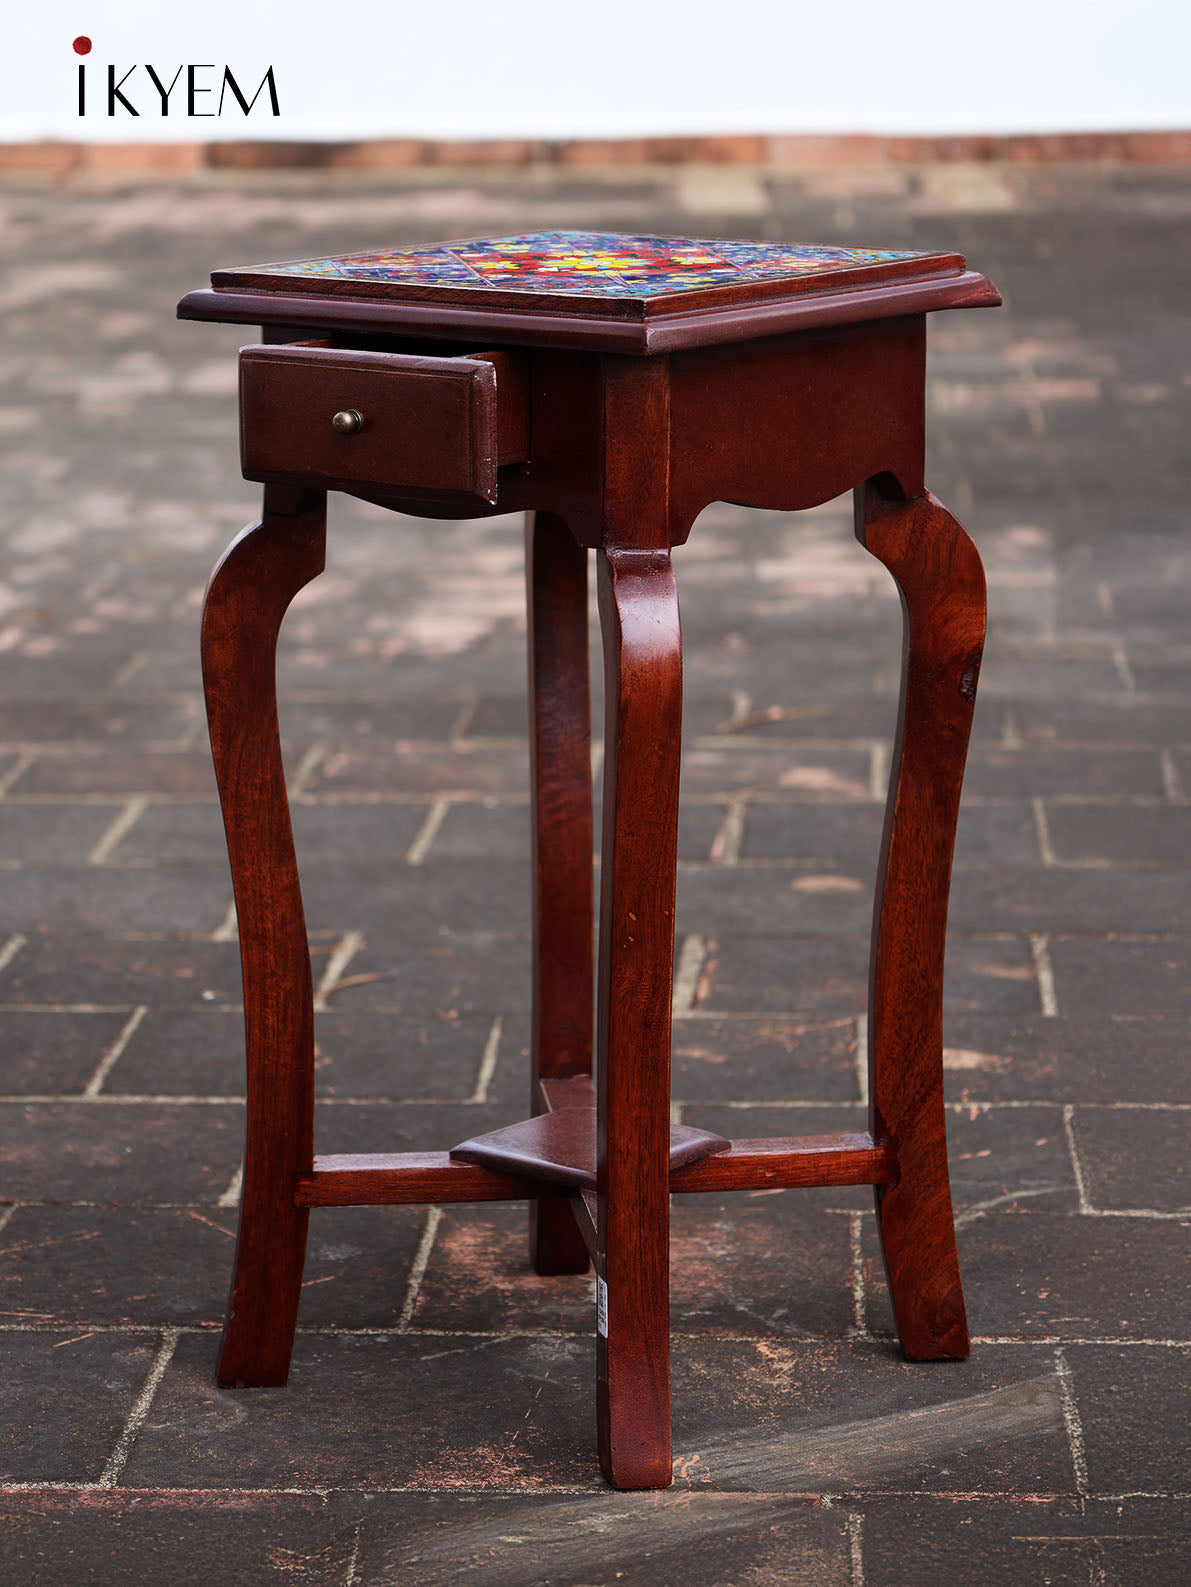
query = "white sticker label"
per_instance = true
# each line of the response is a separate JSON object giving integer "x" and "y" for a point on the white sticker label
{"x": 601, "y": 1308}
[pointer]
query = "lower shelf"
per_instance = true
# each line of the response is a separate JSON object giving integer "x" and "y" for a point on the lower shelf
{"x": 761, "y": 1164}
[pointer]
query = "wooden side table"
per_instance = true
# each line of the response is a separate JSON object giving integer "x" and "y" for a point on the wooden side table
{"x": 612, "y": 386}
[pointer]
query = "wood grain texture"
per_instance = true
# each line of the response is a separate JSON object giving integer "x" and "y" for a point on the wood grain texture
{"x": 939, "y": 575}
{"x": 625, "y": 428}
{"x": 780, "y": 1163}
{"x": 387, "y": 1179}
{"x": 668, "y": 333}
{"x": 643, "y": 697}
{"x": 561, "y": 864}
{"x": 788, "y": 1162}
{"x": 560, "y": 1146}
{"x": 247, "y": 598}
{"x": 432, "y": 423}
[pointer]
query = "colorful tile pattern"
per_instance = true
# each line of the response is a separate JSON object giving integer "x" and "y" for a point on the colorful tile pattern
{"x": 591, "y": 264}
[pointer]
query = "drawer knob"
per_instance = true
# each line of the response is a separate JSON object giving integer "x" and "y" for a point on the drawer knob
{"x": 347, "y": 422}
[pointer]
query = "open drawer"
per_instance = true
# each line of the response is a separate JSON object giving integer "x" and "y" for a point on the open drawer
{"x": 337, "y": 417}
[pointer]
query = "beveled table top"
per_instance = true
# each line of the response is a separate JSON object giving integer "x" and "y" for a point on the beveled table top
{"x": 597, "y": 291}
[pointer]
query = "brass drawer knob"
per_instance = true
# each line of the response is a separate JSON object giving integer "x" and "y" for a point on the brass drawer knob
{"x": 347, "y": 422}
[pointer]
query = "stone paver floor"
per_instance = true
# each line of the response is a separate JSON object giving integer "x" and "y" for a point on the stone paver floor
{"x": 439, "y": 1424}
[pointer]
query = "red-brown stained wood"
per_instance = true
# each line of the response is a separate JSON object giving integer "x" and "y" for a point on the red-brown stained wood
{"x": 643, "y": 695}
{"x": 432, "y": 423}
{"x": 561, "y": 875}
{"x": 784, "y": 1162}
{"x": 247, "y": 598}
{"x": 941, "y": 581}
{"x": 397, "y": 1178}
{"x": 674, "y": 331}
{"x": 386, "y": 1179}
{"x": 560, "y": 1146}
{"x": 615, "y": 431}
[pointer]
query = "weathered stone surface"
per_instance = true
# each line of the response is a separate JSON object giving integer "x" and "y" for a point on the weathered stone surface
{"x": 430, "y": 1360}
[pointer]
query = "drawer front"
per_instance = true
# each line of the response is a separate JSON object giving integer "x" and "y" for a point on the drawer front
{"x": 321, "y": 415}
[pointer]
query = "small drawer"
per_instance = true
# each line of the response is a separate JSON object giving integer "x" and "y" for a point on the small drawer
{"x": 310, "y": 414}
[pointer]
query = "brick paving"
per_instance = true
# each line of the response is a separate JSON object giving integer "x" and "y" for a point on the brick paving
{"x": 439, "y": 1426}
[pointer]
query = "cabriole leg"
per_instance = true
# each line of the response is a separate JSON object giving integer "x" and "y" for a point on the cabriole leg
{"x": 562, "y": 864}
{"x": 250, "y": 590}
{"x": 643, "y": 690}
{"x": 941, "y": 581}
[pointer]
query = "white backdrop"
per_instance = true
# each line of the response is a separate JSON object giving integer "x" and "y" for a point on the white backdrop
{"x": 608, "y": 68}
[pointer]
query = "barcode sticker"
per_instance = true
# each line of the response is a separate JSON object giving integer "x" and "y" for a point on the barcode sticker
{"x": 601, "y": 1308}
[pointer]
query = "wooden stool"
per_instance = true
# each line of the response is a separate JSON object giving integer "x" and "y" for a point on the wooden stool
{"x": 613, "y": 386}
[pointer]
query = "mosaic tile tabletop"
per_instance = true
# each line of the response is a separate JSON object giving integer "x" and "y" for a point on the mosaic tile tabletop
{"x": 582, "y": 264}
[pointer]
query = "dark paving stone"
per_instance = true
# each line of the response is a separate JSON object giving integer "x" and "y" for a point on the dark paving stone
{"x": 774, "y": 717}
{"x": 93, "y": 969}
{"x": 182, "y": 1052}
{"x": 105, "y": 898}
{"x": 987, "y": 832}
{"x": 814, "y": 832}
{"x": 764, "y": 1059}
{"x": 1071, "y": 1059}
{"x": 390, "y": 1411}
{"x": 361, "y": 1054}
{"x": 845, "y": 1417}
{"x": 119, "y": 1539}
{"x": 746, "y": 1265}
{"x": 96, "y": 1265}
{"x": 924, "y": 1542}
{"x": 819, "y": 901}
{"x": 1121, "y": 722}
{"x": 397, "y": 901}
{"x": 358, "y": 1262}
{"x": 830, "y": 976}
{"x": 118, "y": 1152}
{"x": 52, "y": 834}
{"x": 484, "y": 829}
{"x": 445, "y": 972}
{"x": 1087, "y": 774}
{"x": 413, "y": 716}
{"x": 91, "y": 771}
{"x": 1148, "y": 977}
{"x": 1003, "y": 1157}
{"x": 1069, "y": 899}
{"x": 37, "y": 721}
{"x": 48, "y": 1053}
{"x": 798, "y": 773}
{"x": 167, "y": 833}
{"x": 1122, "y": 834}
{"x": 640, "y": 1539}
{"x": 1058, "y": 1275}
{"x": 500, "y": 716}
{"x": 1134, "y": 1407}
{"x": 402, "y": 1127}
{"x": 1135, "y": 1157}
{"x": 66, "y": 1398}
{"x": 426, "y": 767}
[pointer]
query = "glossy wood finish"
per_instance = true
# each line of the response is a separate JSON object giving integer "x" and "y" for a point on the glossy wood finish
{"x": 643, "y": 703}
{"x": 247, "y": 598}
{"x": 629, "y": 427}
{"x": 563, "y": 991}
{"x": 941, "y": 580}
{"x": 672, "y": 332}
{"x": 560, "y": 1147}
{"x": 436, "y": 424}
{"x": 784, "y": 1163}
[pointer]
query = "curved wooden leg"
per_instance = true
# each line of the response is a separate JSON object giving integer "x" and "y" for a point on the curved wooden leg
{"x": 941, "y": 580}
{"x": 259, "y": 575}
{"x": 643, "y": 687}
{"x": 562, "y": 865}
